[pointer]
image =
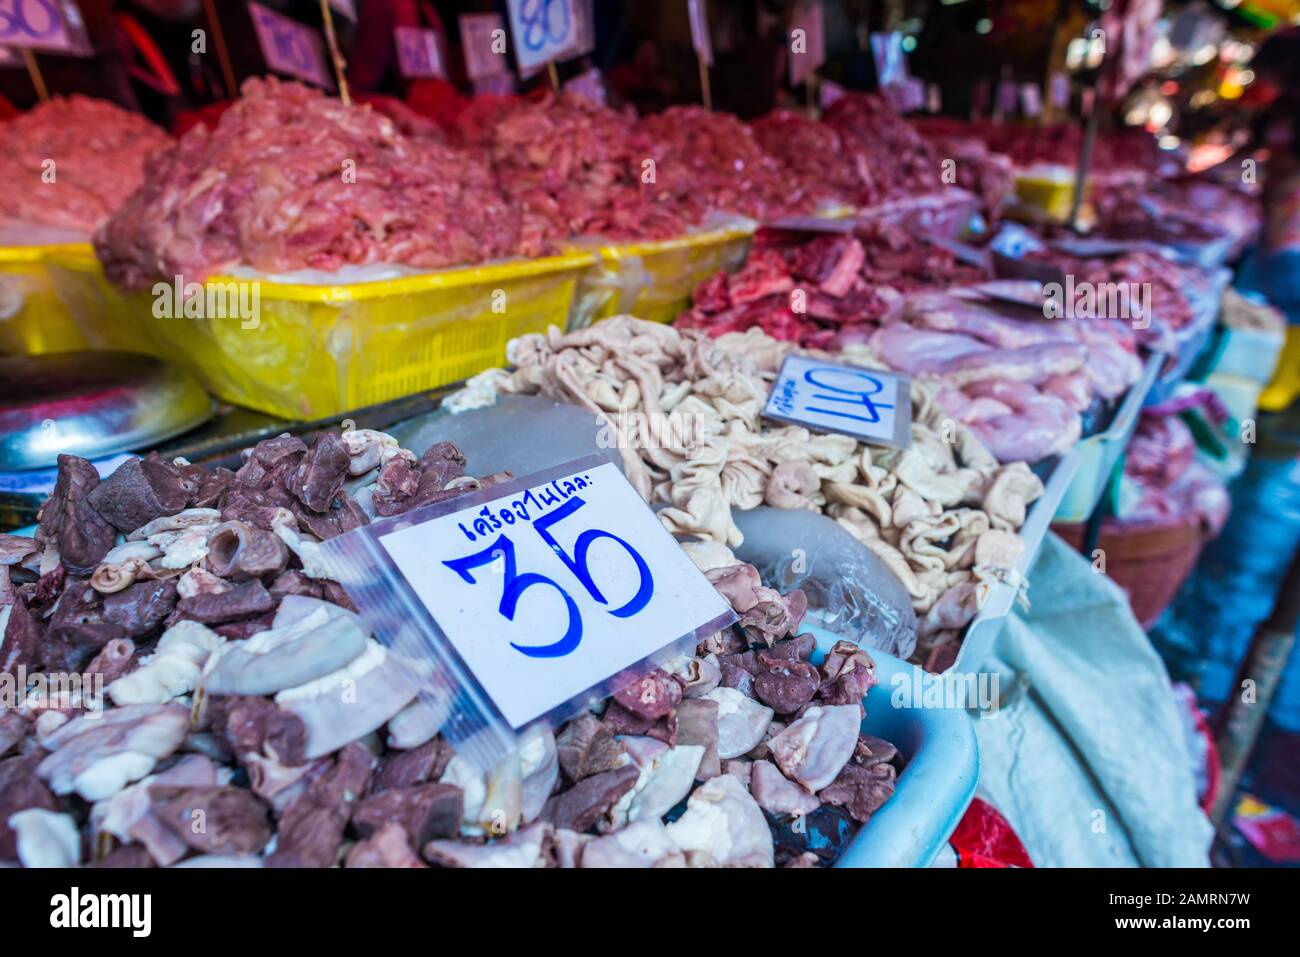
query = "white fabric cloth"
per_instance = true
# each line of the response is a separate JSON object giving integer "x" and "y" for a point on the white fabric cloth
{"x": 1086, "y": 756}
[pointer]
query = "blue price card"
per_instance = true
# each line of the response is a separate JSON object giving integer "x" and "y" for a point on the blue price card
{"x": 530, "y": 599}
{"x": 871, "y": 405}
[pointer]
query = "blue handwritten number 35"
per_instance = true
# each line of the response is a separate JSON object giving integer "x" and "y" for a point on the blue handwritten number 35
{"x": 516, "y": 584}
{"x": 536, "y": 19}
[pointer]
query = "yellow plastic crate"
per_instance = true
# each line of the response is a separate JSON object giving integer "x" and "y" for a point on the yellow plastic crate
{"x": 33, "y": 318}
{"x": 655, "y": 280}
{"x": 1047, "y": 191}
{"x": 105, "y": 319}
{"x": 319, "y": 350}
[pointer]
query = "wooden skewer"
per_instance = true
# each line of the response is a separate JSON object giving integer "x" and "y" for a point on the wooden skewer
{"x": 223, "y": 55}
{"x": 554, "y": 74}
{"x": 340, "y": 65}
{"x": 706, "y": 92}
{"x": 34, "y": 71}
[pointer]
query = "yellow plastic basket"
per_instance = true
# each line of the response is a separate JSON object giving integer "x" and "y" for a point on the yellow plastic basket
{"x": 1048, "y": 192}
{"x": 319, "y": 350}
{"x": 33, "y": 318}
{"x": 655, "y": 280}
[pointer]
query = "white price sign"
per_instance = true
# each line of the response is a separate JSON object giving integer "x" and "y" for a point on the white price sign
{"x": 550, "y": 585}
{"x": 871, "y": 405}
{"x": 346, "y": 8}
{"x": 290, "y": 47}
{"x": 807, "y": 42}
{"x": 419, "y": 53}
{"x": 542, "y": 30}
{"x": 1060, "y": 90}
{"x": 700, "y": 38}
{"x": 482, "y": 38}
{"x": 42, "y": 25}
{"x": 584, "y": 28}
{"x": 1031, "y": 99}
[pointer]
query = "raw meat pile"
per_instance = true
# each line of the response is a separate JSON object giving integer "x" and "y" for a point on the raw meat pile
{"x": 1019, "y": 381}
{"x": 846, "y": 284}
{"x": 1161, "y": 463}
{"x": 813, "y": 159}
{"x": 987, "y": 174}
{"x": 1169, "y": 283}
{"x": 198, "y": 597}
{"x": 708, "y": 163}
{"x": 98, "y": 152}
{"x": 941, "y": 515}
{"x": 1129, "y": 150}
{"x": 573, "y": 167}
{"x": 901, "y": 164}
{"x": 294, "y": 179}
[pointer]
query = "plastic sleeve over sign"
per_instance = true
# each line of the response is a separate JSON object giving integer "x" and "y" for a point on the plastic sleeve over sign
{"x": 487, "y": 674}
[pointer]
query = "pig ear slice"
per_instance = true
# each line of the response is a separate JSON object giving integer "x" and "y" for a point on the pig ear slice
{"x": 174, "y": 523}
{"x": 813, "y": 750}
{"x": 283, "y": 658}
{"x": 742, "y": 722}
{"x": 173, "y": 670}
{"x": 354, "y": 700}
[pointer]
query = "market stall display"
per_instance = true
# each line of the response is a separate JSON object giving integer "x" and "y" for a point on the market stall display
{"x": 357, "y": 192}
{"x": 199, "y": 596}
{"x": 686, "y": 410}
{"x": 69, "y": 164}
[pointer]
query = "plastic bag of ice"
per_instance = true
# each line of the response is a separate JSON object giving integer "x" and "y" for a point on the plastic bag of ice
{"x": 520, "y": 434}
{"x": 850, "y": 591}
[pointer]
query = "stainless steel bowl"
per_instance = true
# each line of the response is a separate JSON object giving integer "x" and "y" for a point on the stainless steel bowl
{"x": 91, "y": 404}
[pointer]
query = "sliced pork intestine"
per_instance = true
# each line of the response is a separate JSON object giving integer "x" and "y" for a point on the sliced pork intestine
{"x": 729, "y": 459}
{"x": 174, "y": 668}
{"x": 349, "y": 703}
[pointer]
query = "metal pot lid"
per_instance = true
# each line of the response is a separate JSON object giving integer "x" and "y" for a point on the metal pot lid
{"x": 91, "y": 404}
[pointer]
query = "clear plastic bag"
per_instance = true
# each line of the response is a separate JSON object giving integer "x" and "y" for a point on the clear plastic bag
{"x": 850, "y": 591}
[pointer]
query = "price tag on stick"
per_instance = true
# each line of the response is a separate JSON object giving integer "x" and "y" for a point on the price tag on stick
{"x": 482, "y": 40}
{"x": 700, "y": 38}
{"x": 871, "y": 405}
{"x": 533, "y": 598}
{"x": 807, "y": 43}
{"x": 419, "y": 53}
{"x": 290, "y": 47}
{"x": 51, "y": 26}
{"x": 542, "y": 31}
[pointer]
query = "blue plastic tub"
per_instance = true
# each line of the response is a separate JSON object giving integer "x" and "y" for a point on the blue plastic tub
{"x": 938, "y": 783}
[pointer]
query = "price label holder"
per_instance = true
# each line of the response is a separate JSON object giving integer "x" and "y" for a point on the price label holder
{"x": 419, "y": 53}
{"x": 290, "y": 47}
{"x": 527, "y": 601}
{"x": 871, "y": 405}
{"x": 542, "y": 30}
{"x": 49, "y": 26}
{"x": 478, "y": 38}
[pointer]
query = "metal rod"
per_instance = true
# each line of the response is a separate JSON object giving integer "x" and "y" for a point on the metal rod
{"x": 223, "y": 55}
{"x": 1238, "y": 723}
{"x": 340, "y": 65}
{"x": 34, "y": 71}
